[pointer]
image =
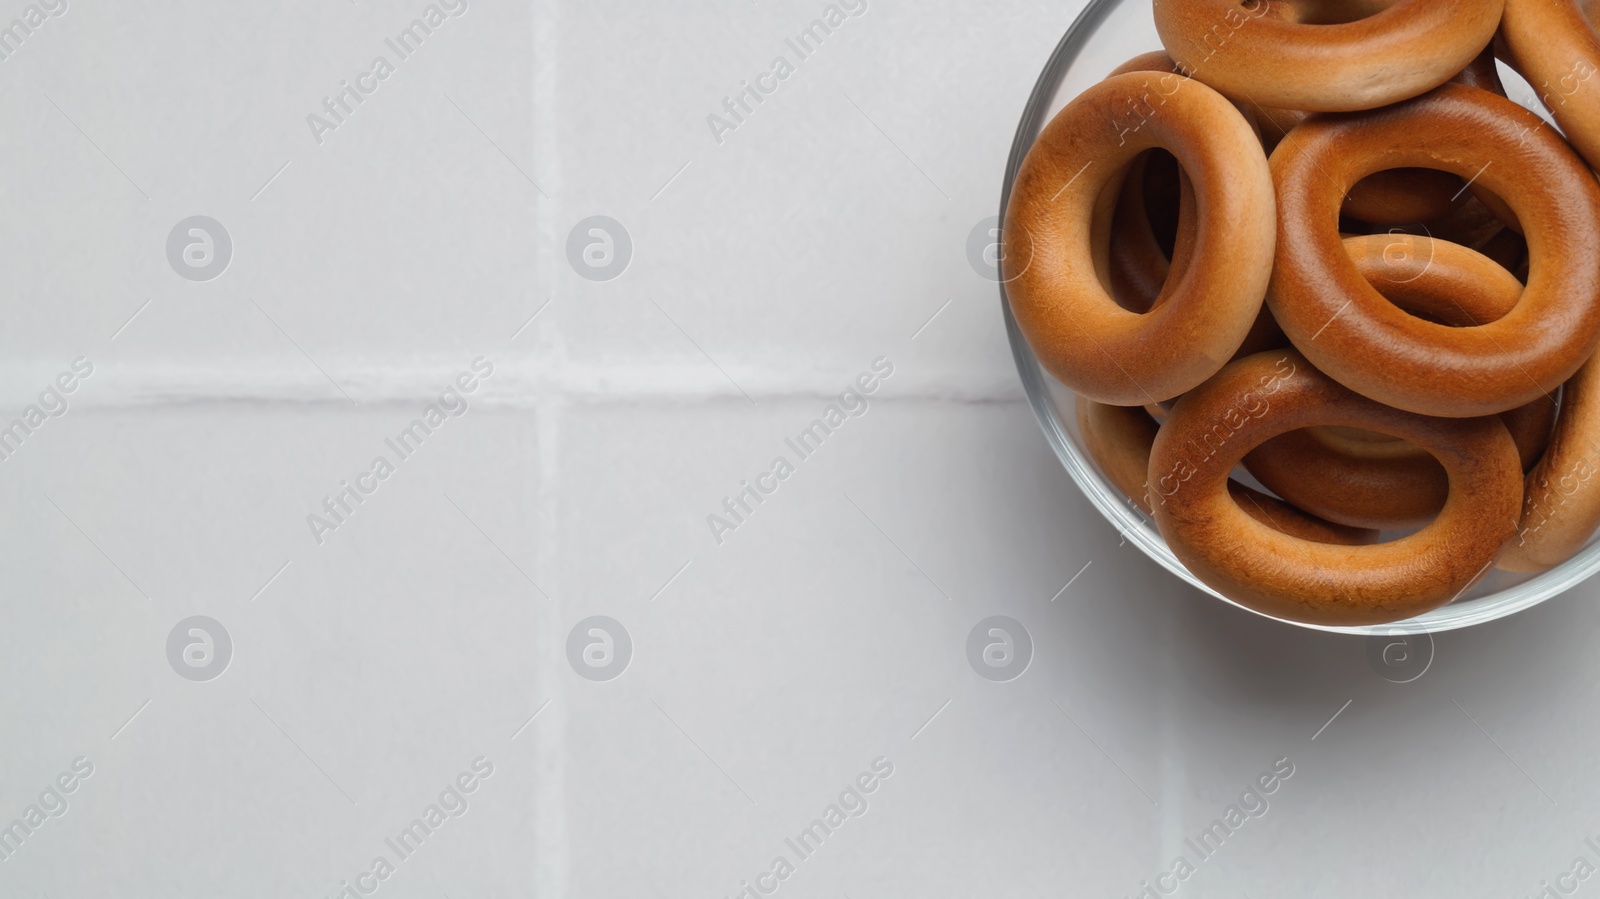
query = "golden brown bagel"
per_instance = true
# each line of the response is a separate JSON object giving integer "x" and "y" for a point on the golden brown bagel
{"x": 1346, "y": 327}
{"x": 1154, "y": 61}
{"x": 1119, "y": 438}
{"x": 1451, "y": 284}
{"x": 1137, "y": 271}
{"x": 1136, "y": 265}
{"x": 1078, "y": 331}
{"x": 1530, "y": 428}
{"x": 1297, "y": 55}
{"x": 1357, "y": 480}
{"x": 1260, "y": 397}
{"x": 1403, "y": 196}
{"x": 1380, "y": 484}
{"x": 1553, "y": 45}
{"x": 1562, "y": 505}
{"x": 1442, "y": 281}
{"x": 1386, "y": 484}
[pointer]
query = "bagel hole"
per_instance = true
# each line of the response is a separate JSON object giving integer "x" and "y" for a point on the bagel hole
{"x": 1135, "y": 232}
{"x": 1161, "y": 198}
{"x": 1360, "y": 441}
{"x": 1444, "y": 203}
{"x": 1403, "y": 196}
{"x": 1442, "y": 206}
{"x": 1323, "y": 12}
{"x": 1352, "y": 447}
{"x": 1242, "y": 475}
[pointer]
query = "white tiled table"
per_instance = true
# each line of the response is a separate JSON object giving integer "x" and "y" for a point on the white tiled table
{"x": 767, "y": 672}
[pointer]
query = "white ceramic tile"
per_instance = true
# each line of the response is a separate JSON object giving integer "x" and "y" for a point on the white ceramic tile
{"x": 768, "y": 669}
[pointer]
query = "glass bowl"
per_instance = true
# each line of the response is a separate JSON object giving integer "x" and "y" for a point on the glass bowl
{"x": 1106, "y": 34}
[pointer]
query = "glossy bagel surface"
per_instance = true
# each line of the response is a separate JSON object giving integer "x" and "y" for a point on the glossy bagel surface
{"x": 1263, "y": 396}
{"x": 1079, "y": 332}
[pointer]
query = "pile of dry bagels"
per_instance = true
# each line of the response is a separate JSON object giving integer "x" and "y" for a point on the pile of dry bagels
{"x": 1315, "y": 238}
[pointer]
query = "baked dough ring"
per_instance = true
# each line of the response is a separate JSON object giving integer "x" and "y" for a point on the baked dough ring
{"x": 1553, "y": 45}
{"x": 1138, "y": 270}
{"x": 1397, "y": 196}
{"x": 1119, "y": 438}
{"x": 1369, "y": 480}
{"x": 1272, "y": 393}
{"x": 1562, "y": 505}
{"x": 1079, "y": 333}
{"x": 1380, "y": 484}
{"x": 1138, "y": 273}
{"x": 1275, "y": 54}
{"x": 1461, "y": 288}
{"x": 1346, "y": 327}
{"x": 1530, "y": 428}
{"x": 1440, "y": 280}
{"x": 1136, "y": 264}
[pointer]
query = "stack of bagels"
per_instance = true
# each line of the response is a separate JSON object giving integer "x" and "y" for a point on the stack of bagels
{"x": 1314, "y": 241}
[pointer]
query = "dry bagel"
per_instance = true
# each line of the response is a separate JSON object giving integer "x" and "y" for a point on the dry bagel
{"x": 1119, "y": 439}
{"x": 1260, "y": 397}
{"x": 1562, "y": 504}
{"x": 1552, "y": 43}
{"x": 1429, "y": 256}
{"x": 1398, "y": 197}
{"x": 1078, "y": 331}
{"x": 1350, "y": 331}
{"x": 1324, "y": 57}
{"x": 1367, "y": 480}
